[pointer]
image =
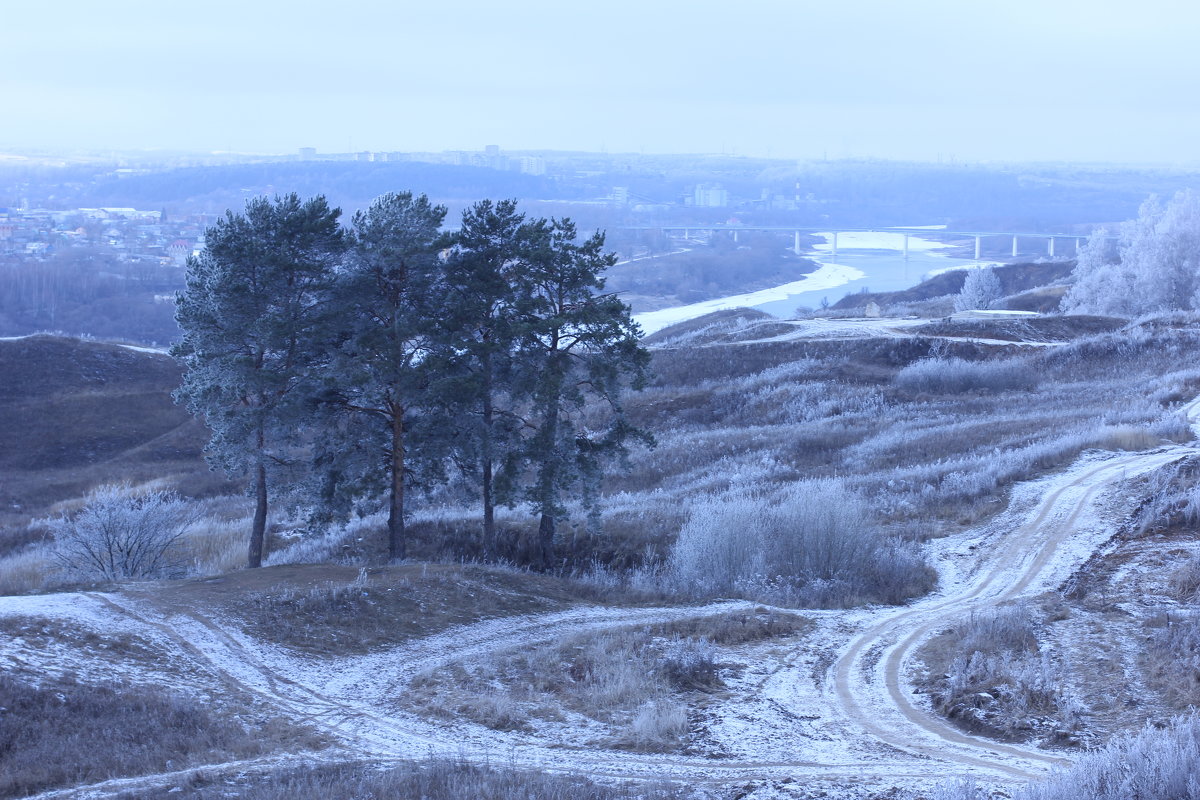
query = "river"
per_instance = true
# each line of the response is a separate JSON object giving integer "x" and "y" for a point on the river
{"x": 872, "y": 261}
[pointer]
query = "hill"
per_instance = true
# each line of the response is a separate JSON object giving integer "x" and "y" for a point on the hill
{"x": 79, "y": 413}
{"x": 1015, "y": 279}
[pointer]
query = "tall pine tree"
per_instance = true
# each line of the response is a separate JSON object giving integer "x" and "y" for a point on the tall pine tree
{"x": 575, "y": 346}
{"x": 248, "y": 316}
{"x": 381, "y": 372}
{"x": 488, "y": 260}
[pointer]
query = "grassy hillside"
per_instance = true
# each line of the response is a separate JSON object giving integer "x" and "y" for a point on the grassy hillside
{"x": 80, "y": 413}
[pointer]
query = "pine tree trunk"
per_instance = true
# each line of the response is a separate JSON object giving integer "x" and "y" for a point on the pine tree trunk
{"x": 490, "y": 544}
{"x": 545, "y": 553}
{"x": 397, "y": 546}
{"x": 547, "y": 478}
{"x": 258, "y": 533}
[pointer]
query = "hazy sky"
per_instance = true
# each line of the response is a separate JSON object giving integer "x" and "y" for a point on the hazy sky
{"x": 968, "y": 79}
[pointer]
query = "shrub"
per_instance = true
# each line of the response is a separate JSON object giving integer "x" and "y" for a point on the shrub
{"x": 658, "y": 725}
{"x": 815, "y": 543}
{"x": 121, "y": 533}
{"x": 1173, "y": 660}
{"x": 1184, "y": 581}
{"x": 956, "y": 375}
{"x": 1154, "y": 764}
{"x": 998, "y": 680}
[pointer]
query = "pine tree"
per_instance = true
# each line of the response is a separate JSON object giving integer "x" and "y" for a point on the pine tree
{"x": 575, "y": 345}
{"x": 381, "y": 359}
{"x": 489, "y": 256}
{"x": 252, "y": 298}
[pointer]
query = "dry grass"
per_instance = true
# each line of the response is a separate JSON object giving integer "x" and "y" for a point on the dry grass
{"x": 28, "y": 571}
{"x": 636, "y": 682}
{"x": 989, "y": 675}
{"x": 429, "y": 780}
{"x": 63, "y": 733}
{"x": 331, "y": 611}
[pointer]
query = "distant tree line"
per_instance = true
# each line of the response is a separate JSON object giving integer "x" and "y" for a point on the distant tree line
{"x": 87, "y": 292}
{"x": 354, "y": 362}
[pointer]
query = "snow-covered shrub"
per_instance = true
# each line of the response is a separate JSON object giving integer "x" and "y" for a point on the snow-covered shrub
{"x": 980, "y": 289}
{"x": 1154, "y": 764}
{"x": 658, "y": 725}
{"x": 690, "y": 664}
{"x": 814, "y": 543}
{"x": 959, "y": 789}
{"x": 123, "y": 533}
{"x": 1173, "y": 660}
{"x": 998, "y": 679}
{"x": 27, "y": 571}
{"x": 954, "y": 375}
{"x": 1185, "y": 579}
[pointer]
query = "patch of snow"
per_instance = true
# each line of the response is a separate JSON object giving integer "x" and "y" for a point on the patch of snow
{"x": 991, "y": 313}
{"x": 161, "y": 351}
{"x": 827, "y": 276}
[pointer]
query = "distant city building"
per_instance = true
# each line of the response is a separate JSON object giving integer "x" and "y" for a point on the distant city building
{"x": 179, "y": 250}
{"x": 620, "y": 195}
{"x": 710, "y": 197}
{"x": 308, "y": 153}
{"x": 532, "y": 165}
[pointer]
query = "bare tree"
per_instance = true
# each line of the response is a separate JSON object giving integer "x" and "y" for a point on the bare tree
{"x": 121, "y": 533}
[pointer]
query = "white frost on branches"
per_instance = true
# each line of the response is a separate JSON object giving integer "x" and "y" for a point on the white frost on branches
{"x": 980, "y": 290}
{"x": 1155, "y": 266}
{"x": 120, "y": 533}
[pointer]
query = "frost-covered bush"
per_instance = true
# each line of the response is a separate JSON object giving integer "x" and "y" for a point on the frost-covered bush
{"x": 815, "y": 542}
{"x": 1154, "y": 764}
{"x": 659, "y": 724}
{"x": 1173, "y": 660}
{"x": 690, "y": 664}
{"x": 980, "y": 289}
{"x": 1184, "y": 581}
{"x": 954, "y": 375}
{"x": 123, "y": 533}
{"x": 998, "y": 679}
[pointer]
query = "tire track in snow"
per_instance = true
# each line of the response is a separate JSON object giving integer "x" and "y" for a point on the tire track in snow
{"x": 899, "y": 722}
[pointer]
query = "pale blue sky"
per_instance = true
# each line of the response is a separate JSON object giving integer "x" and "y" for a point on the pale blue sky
{"x": 923, "y": 79}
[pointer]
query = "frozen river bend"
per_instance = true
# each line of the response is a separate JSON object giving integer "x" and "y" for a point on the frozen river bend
{"x": 833, "y": 707}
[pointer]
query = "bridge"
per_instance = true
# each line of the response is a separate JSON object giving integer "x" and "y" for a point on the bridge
{"x": 923, "y": 233}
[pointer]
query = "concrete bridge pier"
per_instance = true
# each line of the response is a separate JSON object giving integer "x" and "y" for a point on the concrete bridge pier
{"x": 1014, "y": 255}
{"x": 1050, "y": 247}
{"x": 1076, "y": 247}
{"x": 978, "y": 244}
{"x": 796, "y": 243}
{"x": 834, "y": 245}
{"x": 906, "y": 247}
{"x": 735, "y": 237}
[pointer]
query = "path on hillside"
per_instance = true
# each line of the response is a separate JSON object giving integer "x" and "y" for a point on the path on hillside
{"x": 870, "y": 728}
